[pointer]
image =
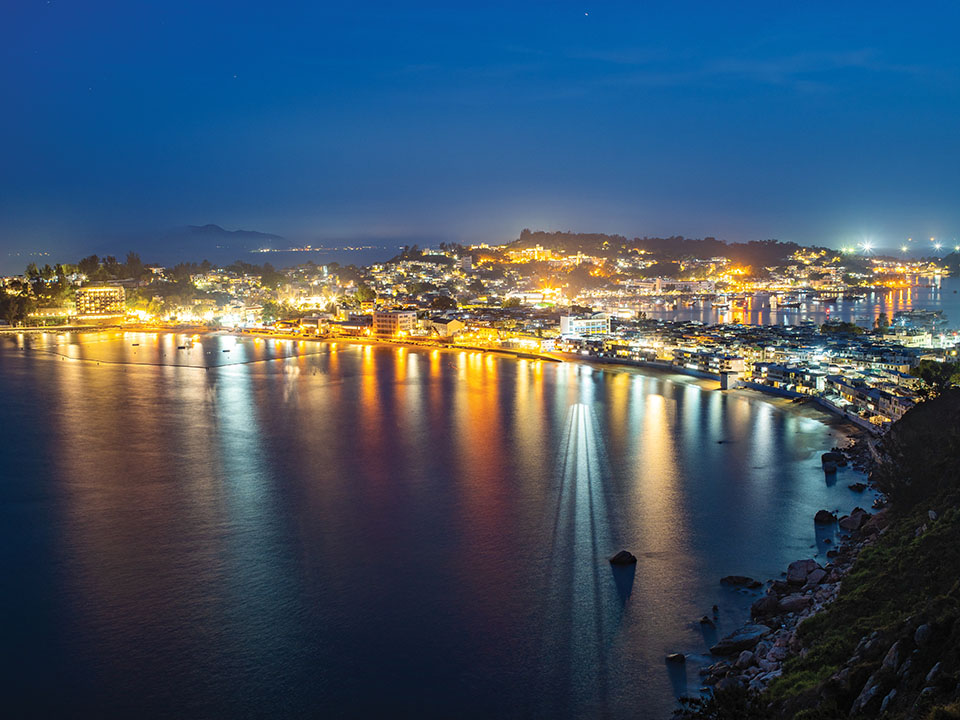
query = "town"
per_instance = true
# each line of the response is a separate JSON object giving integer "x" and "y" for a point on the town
{"x": 735, "y": 313}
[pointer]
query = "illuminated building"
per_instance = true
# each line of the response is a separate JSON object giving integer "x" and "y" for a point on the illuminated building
{"x": 598, "y": 324}
{"x": 100, "y": 302}
{"x": 394, "y": 322}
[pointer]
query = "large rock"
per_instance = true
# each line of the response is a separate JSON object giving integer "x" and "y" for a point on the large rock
{"x": 745, "y": 660}
{"x": 855, "y": 520}
{"x": 870, "y": 693}
{"x": 764, "y": 607}
{"x": 676, "y": 658}
{"x": 922, "y": 636}
{"x": 623, "y": 558}
{"x": 824, "y": 517}
{"x": 743, "y": 639}
{"x": 798, "y": 570}
{"x": 816, "y": 576}
{"x": 887, "y": 700}
{"x": 892, "y": 659}
{"x": 795, "y": 603}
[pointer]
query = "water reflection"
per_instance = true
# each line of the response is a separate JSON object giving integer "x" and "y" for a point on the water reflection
{"x": 264, "y": 536}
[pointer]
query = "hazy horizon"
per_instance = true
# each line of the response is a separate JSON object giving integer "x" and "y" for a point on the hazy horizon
{"x": 818, "y": 125}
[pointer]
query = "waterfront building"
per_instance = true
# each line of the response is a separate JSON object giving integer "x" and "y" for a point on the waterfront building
{"x": 100, "y": 302}
{"x": 446, "y": 327}
{"x": 598, "y": 324}
{"x": 392, "y": 323}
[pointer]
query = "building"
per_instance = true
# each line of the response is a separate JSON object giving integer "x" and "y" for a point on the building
{"x": 100, "y": 302}
{"x": 446, "y": 327}
{"x": 393, "y": 322}
{"x": 598, "y": 324}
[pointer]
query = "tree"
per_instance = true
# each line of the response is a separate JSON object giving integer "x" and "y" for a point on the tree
{"x": 921, "y": 452}
{"x": 15, "y": 308}
{"x": 882, "y": 323}
{"x": 89, "y": 266}
{"x": 511, "y": 302}
{"x": 937, "y": 376}
{"x": 443, "y": 302}
{"x": 134, "y": 266}
{"x": 841, "y": 328}
{"x": 365, "y": 293}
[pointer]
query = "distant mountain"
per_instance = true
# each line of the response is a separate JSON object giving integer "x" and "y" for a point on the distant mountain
{"x": 215, "y": 231}
{"x": 249, "y": 239}
{"x": 212, "y": 242}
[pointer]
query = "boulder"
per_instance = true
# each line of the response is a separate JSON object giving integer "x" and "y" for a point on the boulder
{"x": 922, "y": 636}
{"x": 798, "y": 570}
{"x": 743, "y": 639}
{"x": 855, "y": 520}
{"x": 741, "y": 580}
{"x": 932, "y": 514}
{"x": 832, "y": 457}
{"x": 795, "y": 603}
{"x": 866, "y": 697}
{"x": 676, "y": 658}
{"x": 887, "y": 700}
{"x": 892, "y": 659}
{"x": 816, "y": 576}
{"x": 857, "y": 486}
{"x": 824, "y": 517}
{"x": 932, "y": 675}
{"x": 745, "y": 660}
{"x": 706, "y": 621}
{"x": 623, "y": 558}
{"x": 764, "y": 607}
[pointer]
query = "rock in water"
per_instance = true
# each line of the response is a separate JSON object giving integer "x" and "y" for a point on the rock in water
{"x": 745, "y": 638}
{"x": 676, "y": 658}
{"x": 824, "y": 517}
{"x": 741, "y": 580}
{"x": 623, "y": 558}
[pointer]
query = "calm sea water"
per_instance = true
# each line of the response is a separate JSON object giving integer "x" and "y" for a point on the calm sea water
{"x": 298, "y": 529}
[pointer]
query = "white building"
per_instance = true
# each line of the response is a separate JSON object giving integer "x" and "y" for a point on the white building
{"x": 571, "y": 325}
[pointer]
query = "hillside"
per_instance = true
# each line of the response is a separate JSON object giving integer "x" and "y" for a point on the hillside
{"x": 889, "y": 646}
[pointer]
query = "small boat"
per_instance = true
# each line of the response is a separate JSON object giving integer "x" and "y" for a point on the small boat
{"x": 135, "y": 344}
{"x": 181, "y": 347}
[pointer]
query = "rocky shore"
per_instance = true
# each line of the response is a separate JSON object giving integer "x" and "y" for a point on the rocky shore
{"x": 753, "y": 655}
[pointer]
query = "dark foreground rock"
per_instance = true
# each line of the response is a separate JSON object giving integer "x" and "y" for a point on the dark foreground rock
{"x": 623, "y": 558}
{"x": 746, "y": 638}
{"x": 824, "y": 517}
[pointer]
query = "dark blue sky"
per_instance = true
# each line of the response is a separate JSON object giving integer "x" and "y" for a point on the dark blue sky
{"x": 814, "y": 122}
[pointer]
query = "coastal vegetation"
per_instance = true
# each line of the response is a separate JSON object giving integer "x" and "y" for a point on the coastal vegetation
{"x": 889, "y": 645}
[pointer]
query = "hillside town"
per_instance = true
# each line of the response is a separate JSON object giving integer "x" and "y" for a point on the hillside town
{"x": 557, "y": 296}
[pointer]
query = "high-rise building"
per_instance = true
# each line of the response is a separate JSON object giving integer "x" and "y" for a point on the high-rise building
{"x": 100, "y": 302}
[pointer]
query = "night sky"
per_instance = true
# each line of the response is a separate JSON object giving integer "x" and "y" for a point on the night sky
{"x": 815, "y": 122}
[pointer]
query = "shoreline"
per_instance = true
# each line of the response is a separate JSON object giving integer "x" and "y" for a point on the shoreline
{"x": 754, "y": 654}
{"x": 754, "y": 390}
